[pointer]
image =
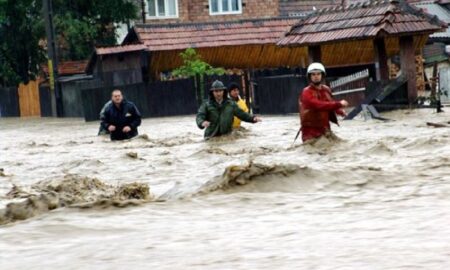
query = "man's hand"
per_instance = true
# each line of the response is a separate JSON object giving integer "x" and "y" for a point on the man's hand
{"x": 126, "y": 129}
{"x": 111, "y": 128}
{"x": 257, "y": 119}
{"x": 205, "y": 124}
{"x": 344, "y": 103}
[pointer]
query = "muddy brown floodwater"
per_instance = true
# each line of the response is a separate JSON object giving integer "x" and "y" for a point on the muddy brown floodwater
{"x": 377, "y": 199}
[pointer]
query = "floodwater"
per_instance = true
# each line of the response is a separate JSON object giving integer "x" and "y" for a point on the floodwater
{"x": 377, "y": 199}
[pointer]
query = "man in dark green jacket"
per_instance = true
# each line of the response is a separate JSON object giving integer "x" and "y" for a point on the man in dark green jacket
{"x": 216, "y": 114}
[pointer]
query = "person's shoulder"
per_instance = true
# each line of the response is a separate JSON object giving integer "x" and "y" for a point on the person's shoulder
{"x": 241, "y": 103}
{"x": 108, "y": 106}
{"x": 129, "y": 104}
{"x": 206, "y": 102}
{"x": 126, "y": 101}
{"x": 307, "y": 89}
{"x": 230, "y": 102}
{"x": 326, "y": 87}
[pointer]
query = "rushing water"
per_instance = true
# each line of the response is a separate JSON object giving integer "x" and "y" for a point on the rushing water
{"x": 378, "y": 199}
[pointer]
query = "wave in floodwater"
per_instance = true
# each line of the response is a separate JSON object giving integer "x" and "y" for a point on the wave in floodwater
{"x": 83, "y": 192}
{"x": 71, "y": 191}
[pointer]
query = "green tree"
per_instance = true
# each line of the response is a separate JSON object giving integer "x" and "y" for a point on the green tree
{"x": 80, "y": 25}
{"x": 21, "y": 29}
{"x": 194, "y": 66}
{"x": 83, "y": 24}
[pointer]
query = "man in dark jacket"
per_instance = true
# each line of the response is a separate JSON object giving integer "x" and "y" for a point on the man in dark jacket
{"x": 216, "y": 114}
{"x": 121, "y": 118}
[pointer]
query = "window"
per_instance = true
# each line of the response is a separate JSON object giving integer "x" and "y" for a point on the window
{"x": 219, "y": 7}
{"x": 160, "y": 9}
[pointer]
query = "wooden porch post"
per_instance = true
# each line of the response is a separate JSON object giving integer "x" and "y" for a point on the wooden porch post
{"x": 408, "y": 66}
{"x": 314, "y": 54}
{"x": 381, "y": 67}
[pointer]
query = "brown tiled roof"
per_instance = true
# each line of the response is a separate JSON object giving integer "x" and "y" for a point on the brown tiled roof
{"x": 361, "y": 21}
{"x": 203, "y": 35}
{"x": 69, "y": 67}
{"x": 119, "y": 49}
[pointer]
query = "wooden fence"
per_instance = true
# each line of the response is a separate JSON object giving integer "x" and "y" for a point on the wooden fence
{"x": 29, "y": 101}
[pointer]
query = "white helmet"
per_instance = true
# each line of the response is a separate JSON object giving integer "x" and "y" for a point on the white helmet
{"x": 315, "y": 67}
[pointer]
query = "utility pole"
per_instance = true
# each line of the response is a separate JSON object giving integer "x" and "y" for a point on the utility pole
{"x": 143, "y": 10}
{"x": 52, "y": 58}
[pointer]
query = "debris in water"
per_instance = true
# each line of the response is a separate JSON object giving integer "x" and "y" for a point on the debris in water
{"x": 242, "y": 174}
{"x": 17, "y": 192}
{"x": 72, "y": 191}
{"x": 132, "y": 155}
{"x": 145, "y": 137}
{"x": 437, "y": 125}
{"x": 136, "y": 191}
{"x": 2, "y": 172}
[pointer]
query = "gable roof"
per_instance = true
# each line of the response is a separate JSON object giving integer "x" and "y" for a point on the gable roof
{"x": 434, "y": 8}
{"x": 361, "y": 21}
{"x": 203, "y": 35}
{"x": 68, "y": 67}
{"x": 119, "y": 49}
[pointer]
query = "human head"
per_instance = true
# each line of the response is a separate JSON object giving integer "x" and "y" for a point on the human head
{"x": 217, "y": 90}
{"x": 233, "y": 90}
{"x": 116, "y": 96}
{"x": 316, "y": 73}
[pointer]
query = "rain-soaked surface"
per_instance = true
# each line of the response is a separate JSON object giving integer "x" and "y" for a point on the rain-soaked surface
{"x": 378, "y": 199}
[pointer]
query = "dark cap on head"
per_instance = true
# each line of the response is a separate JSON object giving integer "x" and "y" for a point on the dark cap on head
{"x": 232, "y": 86}
{"x": 217, "y": 85}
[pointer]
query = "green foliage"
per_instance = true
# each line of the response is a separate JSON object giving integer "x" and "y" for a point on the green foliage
{"x": 80, "y": 25}
{"x": 193, "y": 65}
{"x": 83, "y": 24}
{"x": 21, "y": 28}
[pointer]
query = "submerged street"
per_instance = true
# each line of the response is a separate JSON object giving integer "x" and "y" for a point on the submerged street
{"x": 377, "y": 199}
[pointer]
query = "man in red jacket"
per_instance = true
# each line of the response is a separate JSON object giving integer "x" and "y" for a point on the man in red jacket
{"x": 316, "y": 105}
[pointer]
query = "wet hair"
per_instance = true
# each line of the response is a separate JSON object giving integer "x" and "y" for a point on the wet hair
{"x": 116, "y": 90}
{"x": 232, "y": 86}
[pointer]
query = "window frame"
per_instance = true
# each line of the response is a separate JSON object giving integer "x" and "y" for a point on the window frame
{"x": 221, "y": 12}
{"x": 157, "y": 16}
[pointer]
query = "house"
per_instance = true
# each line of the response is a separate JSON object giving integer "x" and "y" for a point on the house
{"x": 195, "y": 11}
{"x": 348, "y": 40}
{"x": 372, "y": 31}
{"x": 436, "y": 52}
{"x": 118, "y": 65}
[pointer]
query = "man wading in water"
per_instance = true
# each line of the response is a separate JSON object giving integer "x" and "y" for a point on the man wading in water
{"x": 216, "y": 114}
{"x": 121, "y": 118}
{"x": 316, "y": 105}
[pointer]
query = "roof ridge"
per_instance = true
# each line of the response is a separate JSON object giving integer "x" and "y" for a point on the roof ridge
{"x": 357, "y": 5}
{"x": 117, "y": 45}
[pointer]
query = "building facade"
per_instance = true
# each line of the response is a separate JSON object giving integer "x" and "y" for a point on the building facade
{"x": 183, "y": 11}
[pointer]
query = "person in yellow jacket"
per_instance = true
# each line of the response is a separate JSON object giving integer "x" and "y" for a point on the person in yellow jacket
{"x": 233, "y": 91}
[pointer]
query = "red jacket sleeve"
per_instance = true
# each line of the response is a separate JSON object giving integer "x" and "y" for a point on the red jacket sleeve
{"x": 311, "y": 102}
